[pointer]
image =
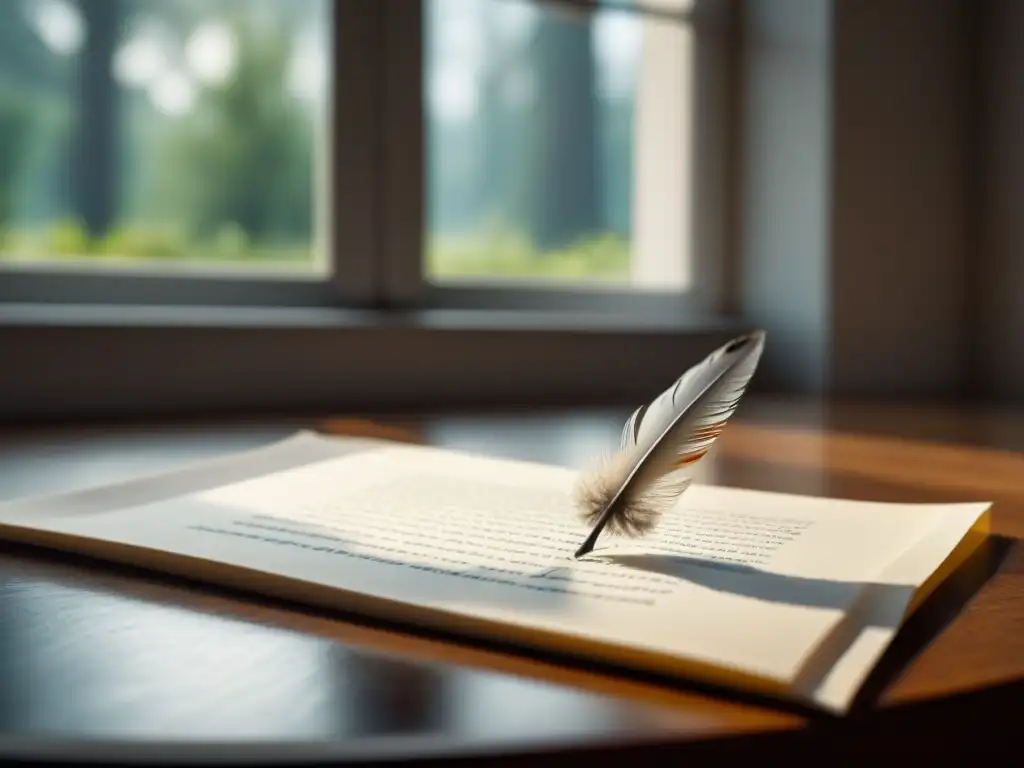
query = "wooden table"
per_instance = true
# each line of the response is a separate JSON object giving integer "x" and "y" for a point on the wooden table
{"x": 91, "y": 651}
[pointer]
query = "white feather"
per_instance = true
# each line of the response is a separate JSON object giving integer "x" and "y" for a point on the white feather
{"x": 662, "y": 441}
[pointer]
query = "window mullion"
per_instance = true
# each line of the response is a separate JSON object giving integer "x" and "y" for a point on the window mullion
{"x": 403, "y": 190}
{"x": 348, "y": 222}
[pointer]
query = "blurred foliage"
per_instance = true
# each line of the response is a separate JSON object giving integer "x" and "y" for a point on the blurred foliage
{"x": 24, "y": 58}
{"x": 563, "y": 173}
{"x": 68, "y": 237}
{"x": 16, "y": 126}
{"x": 155, "y": 242}
{"x": 233, "y": 180}
{"x": 245, "y": 154}
{"x": 496, "y": 255}
{"x": 510, "y": 255}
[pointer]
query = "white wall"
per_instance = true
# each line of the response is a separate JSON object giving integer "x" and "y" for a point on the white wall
{"x": 854, "y": 176}
{"x": 785, "y": 175}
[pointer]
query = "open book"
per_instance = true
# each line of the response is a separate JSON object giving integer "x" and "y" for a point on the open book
{"x": 784, "y": 595}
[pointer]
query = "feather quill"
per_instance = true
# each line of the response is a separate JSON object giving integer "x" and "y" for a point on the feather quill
{"x": 662, "y": 441}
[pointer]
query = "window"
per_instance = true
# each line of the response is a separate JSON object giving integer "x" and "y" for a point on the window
{"x": 554, "y": 155}
{"x": 176, "y": 134}
{"x": 174, "y": 137}
{"x": 177, "y": 147}
{"x": 376, "y": 161}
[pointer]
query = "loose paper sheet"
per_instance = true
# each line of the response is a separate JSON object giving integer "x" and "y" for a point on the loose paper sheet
{"x": 737, "y": 579}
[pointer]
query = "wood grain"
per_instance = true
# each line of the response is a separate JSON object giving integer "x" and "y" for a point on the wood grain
{"x": 154, "y": 658}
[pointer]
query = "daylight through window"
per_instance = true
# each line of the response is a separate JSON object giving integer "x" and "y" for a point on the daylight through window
{"x": 163, "y": 132}
{"x": 201, "y": 138}
{"x": 558, "y": 144}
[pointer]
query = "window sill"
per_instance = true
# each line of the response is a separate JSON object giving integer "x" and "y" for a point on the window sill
{"x": 68, "y": 362}
{"x": 112, "y": 316}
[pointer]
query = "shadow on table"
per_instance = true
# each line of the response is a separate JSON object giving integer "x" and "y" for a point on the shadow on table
{"x": 930, "y": 619}
{"x": 933, "y": 616}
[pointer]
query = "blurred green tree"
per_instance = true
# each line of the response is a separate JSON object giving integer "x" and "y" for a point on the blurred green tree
{"x": 242, "y": 160}
{"x": 16, "y": 128}
{"x": 24, "y": 59}
{"x": 563, "y": 166}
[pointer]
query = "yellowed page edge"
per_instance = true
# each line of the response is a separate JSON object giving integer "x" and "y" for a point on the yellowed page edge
{"x": 881, "y": 621}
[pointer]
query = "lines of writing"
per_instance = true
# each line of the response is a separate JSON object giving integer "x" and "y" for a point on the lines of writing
{"x": 538, "y": 582}
{"x": 439, "y": 549}
{"x": 537, "y": 532}
{"x": 449, "y": 527}
{"x": 727, "y": 536}
{"x": 759, "y": 525}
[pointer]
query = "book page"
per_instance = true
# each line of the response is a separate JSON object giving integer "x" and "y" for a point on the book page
{"x": 758, "y": 584}
{"x": 736, "y": 579}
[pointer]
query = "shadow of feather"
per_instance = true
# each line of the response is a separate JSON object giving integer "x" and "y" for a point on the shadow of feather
{"x": 745, "y": 580}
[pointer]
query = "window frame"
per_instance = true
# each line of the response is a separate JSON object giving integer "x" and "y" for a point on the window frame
{"x": 351, "y": 221}
{"x": 377, "y": 172}
{"x": 404, "y": 280}
{"x": 541, "y": 343}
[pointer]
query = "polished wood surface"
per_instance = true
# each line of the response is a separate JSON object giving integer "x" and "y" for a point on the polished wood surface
{"x": 93, "y": 651}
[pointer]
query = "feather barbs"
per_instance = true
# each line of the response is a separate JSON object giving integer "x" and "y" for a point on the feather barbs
{"x": 662, "y": 440}
{"x": 597, "y": 490}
